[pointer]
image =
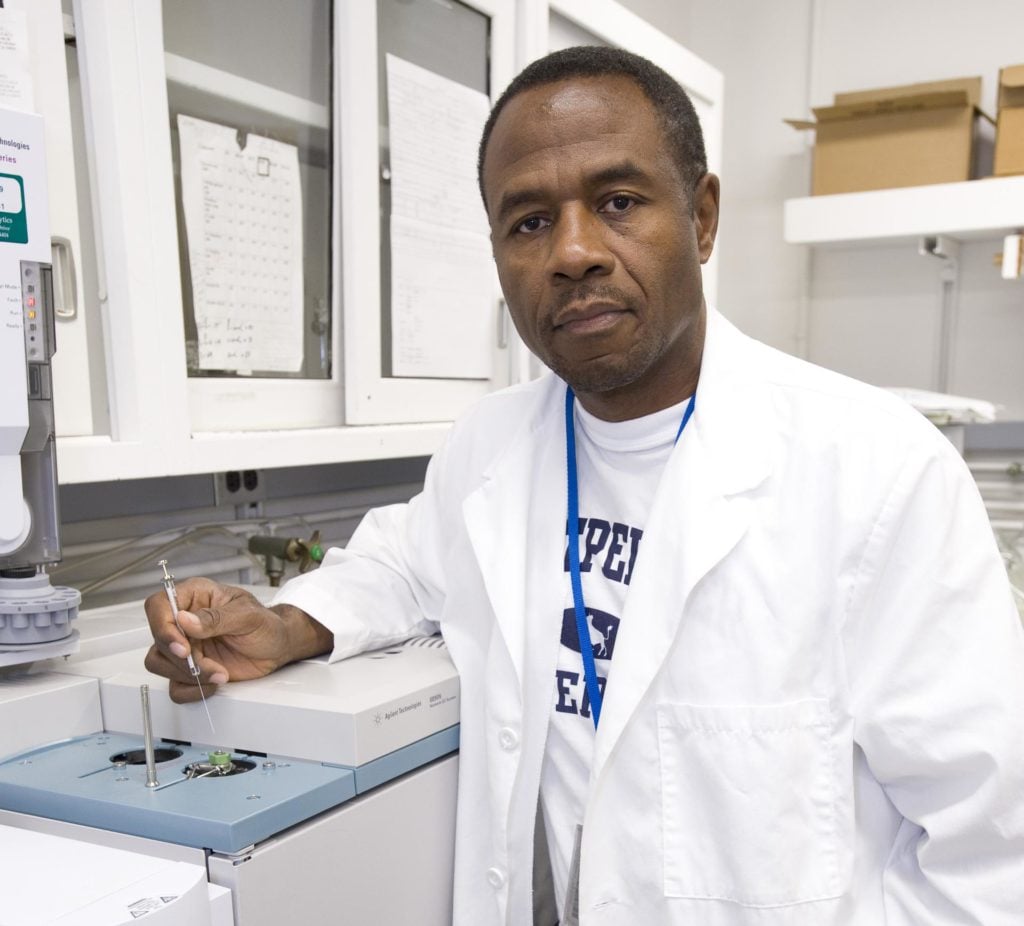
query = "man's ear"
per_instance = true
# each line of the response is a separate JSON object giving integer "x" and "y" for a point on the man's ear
{"x": 705, "y": 214}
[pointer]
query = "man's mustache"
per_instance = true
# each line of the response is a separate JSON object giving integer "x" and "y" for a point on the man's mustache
{"x": 590, "y": 292}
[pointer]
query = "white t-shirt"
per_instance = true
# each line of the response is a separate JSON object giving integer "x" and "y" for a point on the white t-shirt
{"x": 618, "y": 465}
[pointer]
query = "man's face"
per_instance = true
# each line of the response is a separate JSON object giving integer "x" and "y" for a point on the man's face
{"x": 597, "y": 244}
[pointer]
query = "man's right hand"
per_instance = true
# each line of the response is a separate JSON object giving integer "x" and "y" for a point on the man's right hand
{"x": 230, "y": 634}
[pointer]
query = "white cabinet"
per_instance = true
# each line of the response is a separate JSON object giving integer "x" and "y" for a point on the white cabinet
{"x": 310, "y": 75}
{"x": 301, "y": 75}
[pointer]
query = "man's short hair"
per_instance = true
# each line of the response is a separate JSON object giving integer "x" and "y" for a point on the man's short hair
{"x": 675, "y": 110}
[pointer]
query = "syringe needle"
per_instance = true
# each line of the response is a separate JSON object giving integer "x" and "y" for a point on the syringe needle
{"x": 206, "y": 706}
{"x": 172, "y": 597}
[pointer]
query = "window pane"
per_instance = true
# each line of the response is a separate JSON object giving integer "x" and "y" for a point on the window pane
{"x": 263, "y": 70}
{"x": 452, "y": 40}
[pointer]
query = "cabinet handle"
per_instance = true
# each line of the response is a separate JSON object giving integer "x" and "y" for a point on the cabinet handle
{"x": 502, "y": 325}
{"x": 65, "y": 295}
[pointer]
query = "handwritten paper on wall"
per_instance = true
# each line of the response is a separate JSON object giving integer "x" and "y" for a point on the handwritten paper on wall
{"x": 243, "y": 220}
{"x": 15, "y": 64}
{"x": 443, "y": 282}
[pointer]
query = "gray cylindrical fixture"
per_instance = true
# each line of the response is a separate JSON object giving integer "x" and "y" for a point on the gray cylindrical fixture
{"x": 147, "y": 733}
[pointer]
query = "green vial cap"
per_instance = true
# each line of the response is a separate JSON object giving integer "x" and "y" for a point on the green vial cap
{"x": 219, "y": 757}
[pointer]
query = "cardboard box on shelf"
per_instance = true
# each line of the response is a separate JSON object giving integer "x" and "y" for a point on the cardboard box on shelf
{"x": 1010, "y": 128}
{"x": 900, "y": 136}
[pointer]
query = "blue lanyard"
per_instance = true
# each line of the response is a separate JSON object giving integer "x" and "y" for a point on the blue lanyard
{"x": 573, "y": 539}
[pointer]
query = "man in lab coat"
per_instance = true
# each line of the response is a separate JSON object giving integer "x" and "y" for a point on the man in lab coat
{"x": 796, "y": 630}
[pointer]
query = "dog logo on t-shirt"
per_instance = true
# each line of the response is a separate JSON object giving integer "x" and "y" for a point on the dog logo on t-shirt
{"x": 604, "y": 628}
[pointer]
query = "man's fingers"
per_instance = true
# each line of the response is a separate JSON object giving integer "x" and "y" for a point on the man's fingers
{"x": 161, "y": 622}
{"x": 186, "y": 692}
{"x": 211, "y": 672}
{"x": 183, "y": 688}
{"x": 174, "y": 645}
{"x": 159, "y": 663}
{"x": 231, "y": 619}
{"x": 192, "y": 595}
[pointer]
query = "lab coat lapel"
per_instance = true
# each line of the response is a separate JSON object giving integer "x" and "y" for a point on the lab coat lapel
{"x": 701, "y": 510}
{"x": 515, "y": 518}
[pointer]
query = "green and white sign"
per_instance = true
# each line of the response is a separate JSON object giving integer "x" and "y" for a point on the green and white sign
{"x": 13, "y": 223}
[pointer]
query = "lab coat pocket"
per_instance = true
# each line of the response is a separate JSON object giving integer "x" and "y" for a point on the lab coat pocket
{"x": 749, "y": 803}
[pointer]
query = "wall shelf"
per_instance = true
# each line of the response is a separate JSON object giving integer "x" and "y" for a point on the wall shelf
{"x": 100, "y": 459}
{"x": 215, "y": 82}
{"x": 973, "y": 210}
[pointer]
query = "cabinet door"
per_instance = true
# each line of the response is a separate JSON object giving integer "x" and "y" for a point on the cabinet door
{"x": 277, "y": 306}
{"x": 131, "y": 91}
{"x": 425, "y": 329}
{"x": 248, "y": 111}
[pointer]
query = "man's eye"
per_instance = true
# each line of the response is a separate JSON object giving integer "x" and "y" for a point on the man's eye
{"x": 618, "y": 203}
{"x": 533, "y": 224}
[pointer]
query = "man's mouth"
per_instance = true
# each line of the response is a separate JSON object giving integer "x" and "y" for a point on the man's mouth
{"x": 591, "y": 318}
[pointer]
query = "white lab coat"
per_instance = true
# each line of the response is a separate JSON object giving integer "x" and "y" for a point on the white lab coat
{"x": 814, "y": 715}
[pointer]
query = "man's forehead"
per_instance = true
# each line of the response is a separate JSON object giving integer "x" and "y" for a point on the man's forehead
{"x": 567, "y": 113}
{"x": 572, "y": 97}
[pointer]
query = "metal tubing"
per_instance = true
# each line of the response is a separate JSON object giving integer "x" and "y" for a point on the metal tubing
{"x": 147, "y": 732}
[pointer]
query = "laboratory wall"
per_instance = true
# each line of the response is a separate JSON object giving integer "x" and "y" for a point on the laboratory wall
{"x": 875, "y": 313}
{"x": 871, "y": 312}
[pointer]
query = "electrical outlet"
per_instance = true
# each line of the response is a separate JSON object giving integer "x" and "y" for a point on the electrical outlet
{"x": 239, "y": 487}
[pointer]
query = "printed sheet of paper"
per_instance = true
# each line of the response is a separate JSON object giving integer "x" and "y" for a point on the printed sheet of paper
{"x": 15, "y": 64}
{"x": 443, "y": 283}
{"x": 243, "y": 220}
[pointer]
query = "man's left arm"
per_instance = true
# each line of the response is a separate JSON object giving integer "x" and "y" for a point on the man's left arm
{"x": 935, "y": 659}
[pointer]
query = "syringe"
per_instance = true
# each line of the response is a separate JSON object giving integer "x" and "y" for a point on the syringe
{"x": 172, "y": 597}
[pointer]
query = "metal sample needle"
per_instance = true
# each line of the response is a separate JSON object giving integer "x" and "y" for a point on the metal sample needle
{"x": 172, "y": 597}
{"x": 147, "y": 734}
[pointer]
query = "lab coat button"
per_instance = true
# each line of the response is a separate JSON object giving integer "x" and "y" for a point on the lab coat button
{"x": 495, "y": 878}
{"x": 508, "y": 738}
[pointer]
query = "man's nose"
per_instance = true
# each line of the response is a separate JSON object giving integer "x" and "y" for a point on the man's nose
{"x": 578, "y": 245}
